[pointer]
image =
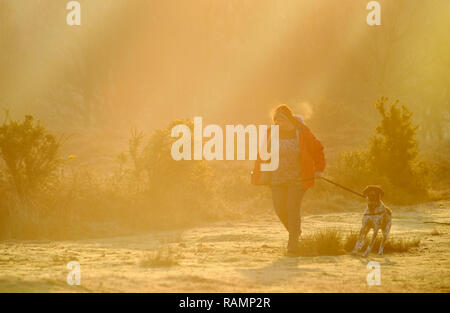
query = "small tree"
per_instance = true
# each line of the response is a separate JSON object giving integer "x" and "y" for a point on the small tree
{"x": 390, "y": 159}
{"x": 29, "y": 152}
{"x": 393, "y": 149}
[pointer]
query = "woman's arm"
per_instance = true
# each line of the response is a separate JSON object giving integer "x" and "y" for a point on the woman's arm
{"x": 317, "y": 151}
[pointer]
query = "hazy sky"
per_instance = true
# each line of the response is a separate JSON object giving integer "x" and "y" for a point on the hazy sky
{"x": 148, "y": 62}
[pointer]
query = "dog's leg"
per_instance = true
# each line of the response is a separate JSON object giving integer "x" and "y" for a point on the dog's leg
{"x": 361, "y": 238}
{"x": 387, "y": 228}
{"x": 372, "y": 241}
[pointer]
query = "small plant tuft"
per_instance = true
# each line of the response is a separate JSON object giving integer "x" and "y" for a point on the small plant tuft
{"x": 331, "y": 241}
{"x": 160, "y": 258}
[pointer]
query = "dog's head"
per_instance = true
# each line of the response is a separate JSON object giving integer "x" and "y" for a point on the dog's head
{"x": 373, "y": 193}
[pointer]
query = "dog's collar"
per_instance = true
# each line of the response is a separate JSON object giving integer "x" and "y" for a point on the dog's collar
{"x": 374, "y": 213}
{"x": 381, "y": 206}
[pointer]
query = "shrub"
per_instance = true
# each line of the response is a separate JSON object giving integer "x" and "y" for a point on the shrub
{"x": 173, "y": 190}
{"x": 4, "y": 206}
{"x": 29, "y": 152}
{"x": 393, "y": 149}
{"x": 390, "y": 159}
{"x": 55, "y": 200}
{"x": 440, "y": 170}
{"x": 30, "y": 163}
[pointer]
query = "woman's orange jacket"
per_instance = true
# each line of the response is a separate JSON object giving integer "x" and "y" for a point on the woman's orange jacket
{"x": 312, "y": 158}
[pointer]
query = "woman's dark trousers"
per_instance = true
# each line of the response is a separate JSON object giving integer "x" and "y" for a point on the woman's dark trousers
{"x": 287, "y": 200}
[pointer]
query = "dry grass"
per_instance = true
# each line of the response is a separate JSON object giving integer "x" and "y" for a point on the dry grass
{"x": 330, "y": 241}
{"x": 161, "y": 258}
{"x": 327, "y": 241}
{"x": 392, "y": 244}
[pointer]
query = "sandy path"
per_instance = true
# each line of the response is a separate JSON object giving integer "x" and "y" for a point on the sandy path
{"x": 246, "y": 256}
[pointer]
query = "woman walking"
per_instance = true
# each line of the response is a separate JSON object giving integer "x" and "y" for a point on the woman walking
{"x": 301, "y": 159}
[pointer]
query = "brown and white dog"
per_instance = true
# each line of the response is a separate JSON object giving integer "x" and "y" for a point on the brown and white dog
{"x": 377, "y": 216}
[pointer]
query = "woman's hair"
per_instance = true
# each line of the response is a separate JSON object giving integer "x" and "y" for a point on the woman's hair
{"x": 286, "y": 111}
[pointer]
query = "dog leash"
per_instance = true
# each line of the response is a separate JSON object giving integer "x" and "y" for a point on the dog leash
{"x": 334, "y": 183}
{"x": 345, "y": 188}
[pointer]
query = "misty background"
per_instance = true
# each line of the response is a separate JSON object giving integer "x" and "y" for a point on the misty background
{"x": 143, "y": 63}
{"x": 107, "y": 92}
